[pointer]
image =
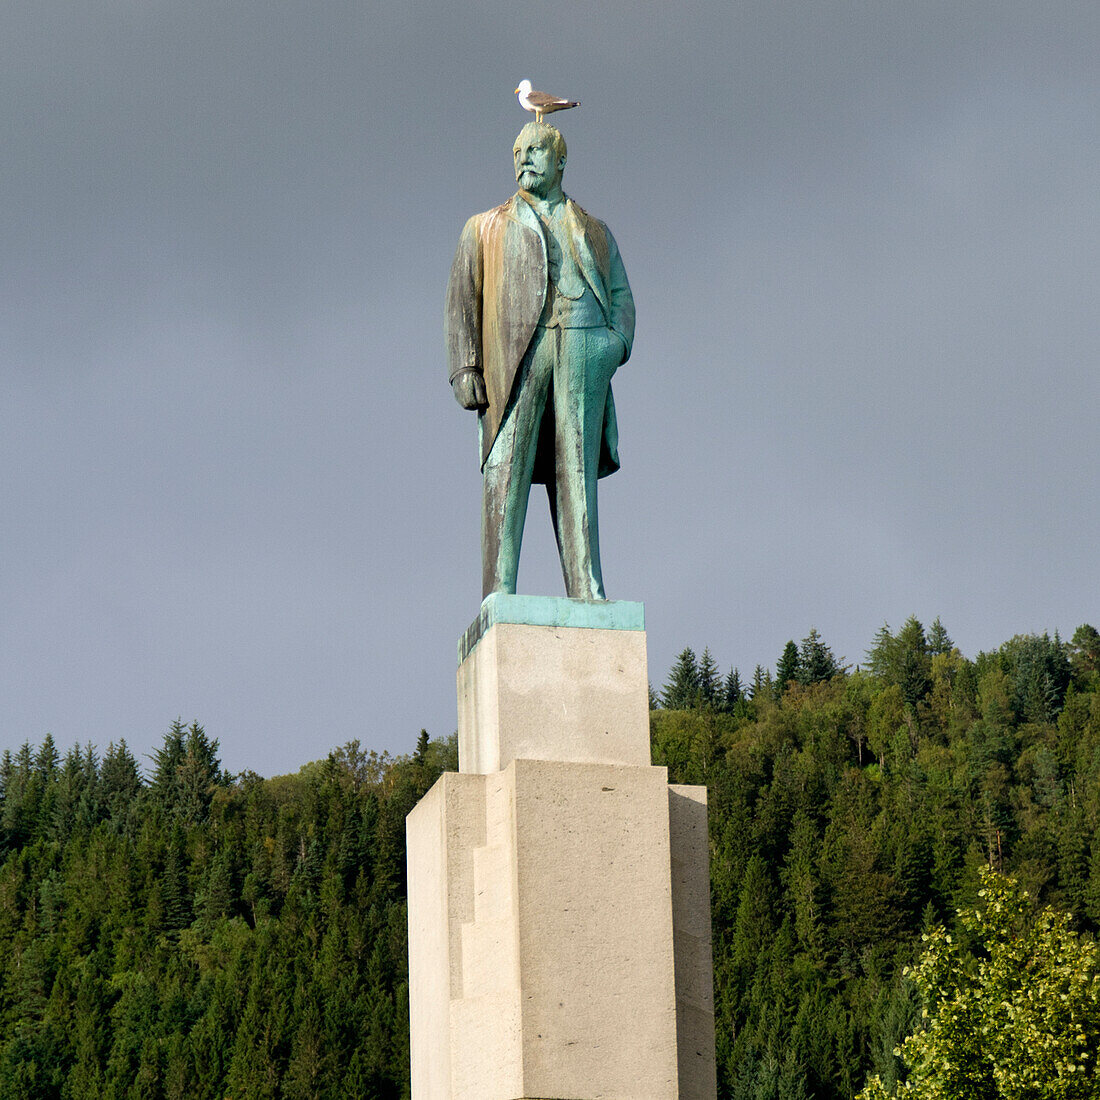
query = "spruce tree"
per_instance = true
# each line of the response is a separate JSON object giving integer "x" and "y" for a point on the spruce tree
{"x": 881, "y": 657}
{"x": 787, "y": 668}
{"x": 709, "y": 684}
{"x": 119, "y": 780}
{"x": 816, "y": 662}
{"x": 166, "y": 764}
{"x": 198, "y": 774}
{"x": 939, "y": 641}
{"x": 732, "y": 691}
{"x": 682, "y": 689}
{"x": 174, "y": 885}
{"x": 761, "y": 683}
{"x": 913, "y": 671}
{"x": 47, "y": 760}
{"x": 1039, "y": 670}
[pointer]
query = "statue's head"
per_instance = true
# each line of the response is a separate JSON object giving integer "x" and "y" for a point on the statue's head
{"x": 538, "y": 156}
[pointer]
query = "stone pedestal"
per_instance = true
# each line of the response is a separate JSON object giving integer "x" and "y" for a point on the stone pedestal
{"x": 559, "y": 918}
{"x": 550, "y": 679}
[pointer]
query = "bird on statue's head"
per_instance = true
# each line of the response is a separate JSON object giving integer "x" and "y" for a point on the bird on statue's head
{"x": 539, "y": 103}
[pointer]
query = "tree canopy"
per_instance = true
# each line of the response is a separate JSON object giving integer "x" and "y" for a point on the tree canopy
{"x": 852, "y": 814}
{"x": 1010, "y": 1006}
{"x": 182, "y": 932}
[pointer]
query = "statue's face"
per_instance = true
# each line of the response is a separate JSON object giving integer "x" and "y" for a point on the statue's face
{"x": 538, "y": 167}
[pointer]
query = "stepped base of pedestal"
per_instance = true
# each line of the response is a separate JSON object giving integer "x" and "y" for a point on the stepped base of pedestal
{"x": 560, "y": 936}
{"x": 559, "y": 916}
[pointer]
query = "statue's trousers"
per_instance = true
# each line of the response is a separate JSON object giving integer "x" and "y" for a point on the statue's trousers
{"x": 557, "y": 404}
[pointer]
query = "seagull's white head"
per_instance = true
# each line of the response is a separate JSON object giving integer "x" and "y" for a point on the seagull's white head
{"x": 524, "y": 88}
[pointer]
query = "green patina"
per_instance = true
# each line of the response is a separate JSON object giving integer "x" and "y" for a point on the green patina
{"x": 539, "y": 316}
{"x": 500, "y": 607}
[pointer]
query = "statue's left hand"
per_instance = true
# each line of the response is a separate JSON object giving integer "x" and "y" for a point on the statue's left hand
{"x": 620, "y": 340}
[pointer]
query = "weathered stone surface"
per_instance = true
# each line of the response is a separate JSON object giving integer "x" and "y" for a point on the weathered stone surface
{"x": 557, "y": 948}
{"x": 690, "y": 852}
{"x": 559, "y": 898}
{"x": 553, "y": 693}
{"x": 443, "y": 832}
{"x": 595, "y": 931}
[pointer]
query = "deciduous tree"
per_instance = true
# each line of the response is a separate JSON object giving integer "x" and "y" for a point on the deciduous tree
{"x": 1011, "y": 1009}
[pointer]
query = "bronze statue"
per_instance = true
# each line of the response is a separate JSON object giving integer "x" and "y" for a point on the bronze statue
{"x": 539, "y": 316}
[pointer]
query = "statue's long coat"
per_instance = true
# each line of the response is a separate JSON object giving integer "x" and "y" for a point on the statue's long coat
{"x": 496, "y": 294}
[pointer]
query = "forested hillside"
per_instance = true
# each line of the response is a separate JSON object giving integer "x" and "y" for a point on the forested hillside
{"x": 203, "y": 935}
{"x": 191, "y": 934}
{"x": 852, "y": 810}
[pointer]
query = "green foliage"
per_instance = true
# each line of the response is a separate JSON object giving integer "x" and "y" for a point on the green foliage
{"x": 733, "y": 691}
{"x": 904, "y": 660}
{"x": 1038, "y": 668}
{"x": 1011, "y": 1008}
{"x": 202, "y": 936}
{"x": 683, "y": 689}
{"x": 939, "y": 641}
{"x": 816, "y": 662}
{"x": 787, "y": 669}
{"x": 853, "y": 813}
{"x": 709, "y": 686}
{"x": 1084, "y": 651}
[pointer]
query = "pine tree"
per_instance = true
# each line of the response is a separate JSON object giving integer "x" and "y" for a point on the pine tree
{"x": 939, "y": 641}
{"x": 166, "y": 764}
{"x": 802, "y": 886}
{"x": 682, "y": 689}
{"x": 119, "y": 781}
{"x": 787, "y": 668}
{"x": 1084, "y": 650}
{"x": 1040, "y": 671}
{"x": 732, "y": 691}
{"x": 47, "y": 760}
{"x": 816, "y": 662}
{"x": 709, "y": 684}
{"x": 19, "y": 810}
{"x": 7, "y": 767}
{"x": 174, "y": 888}
{"x": 216, "y": 899}
{"x": 761, "y": 686}
{"x": 880, "y": 657}
{"x": 755, "y": 921}
{"x": 198, "y": 775}
{"x": 913, "y": 669}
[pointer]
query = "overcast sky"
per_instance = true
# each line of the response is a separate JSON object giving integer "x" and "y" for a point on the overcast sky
{"x": 863, "y": 239}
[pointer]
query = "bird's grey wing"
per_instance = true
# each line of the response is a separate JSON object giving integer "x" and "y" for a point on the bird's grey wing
{"x": 541, "y": 99}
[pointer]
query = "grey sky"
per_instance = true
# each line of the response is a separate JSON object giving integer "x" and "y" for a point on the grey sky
{"x": 863, "y": 240}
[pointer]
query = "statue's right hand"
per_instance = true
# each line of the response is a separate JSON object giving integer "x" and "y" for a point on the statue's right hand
{"x": 469, "y": 389}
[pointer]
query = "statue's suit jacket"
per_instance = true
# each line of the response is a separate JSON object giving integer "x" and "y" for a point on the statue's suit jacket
{"x": 496, "y": 294}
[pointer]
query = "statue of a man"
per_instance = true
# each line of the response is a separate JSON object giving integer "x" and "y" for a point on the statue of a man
{"x": 539, "y": 315}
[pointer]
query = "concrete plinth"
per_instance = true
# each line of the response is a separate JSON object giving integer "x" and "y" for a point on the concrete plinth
{"x": 550, "y": 679}
{"x": 555, "y": 944}
{"x": 558, "y": 887}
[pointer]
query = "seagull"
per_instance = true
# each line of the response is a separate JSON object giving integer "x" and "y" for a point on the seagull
{"x": 539, "y": 103}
